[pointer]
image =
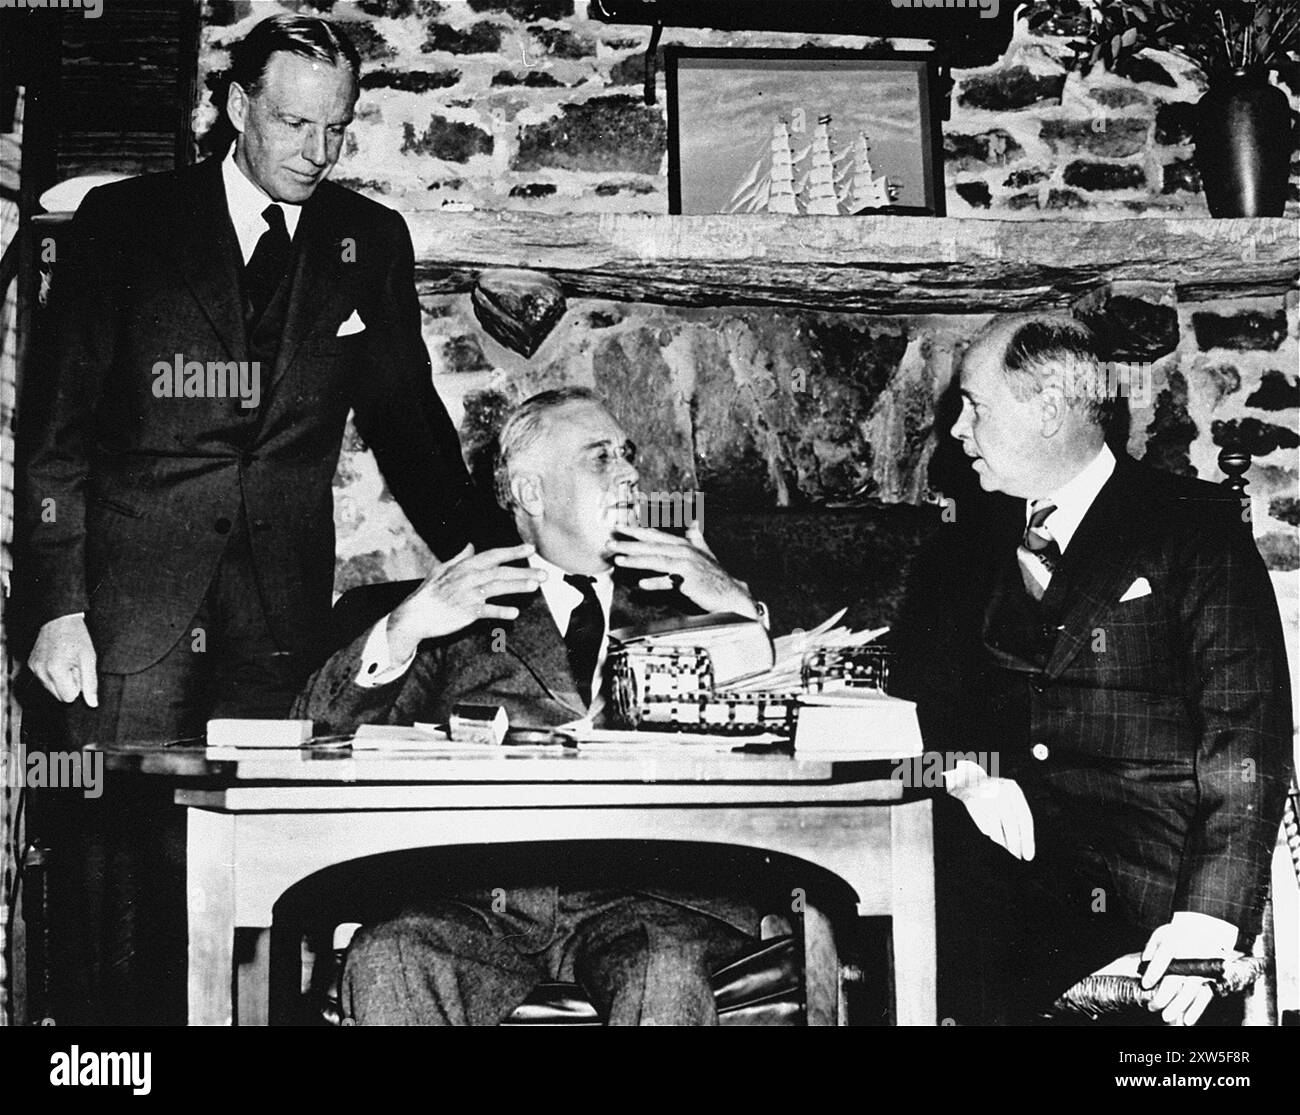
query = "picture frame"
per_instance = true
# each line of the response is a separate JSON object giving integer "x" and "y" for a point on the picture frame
{"x": 803, "y": 132}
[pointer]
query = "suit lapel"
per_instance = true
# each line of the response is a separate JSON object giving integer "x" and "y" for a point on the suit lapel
{"x": 1084, "y": 585}
{"x": 537, "y": 644}
{"x": 206, "y": 251}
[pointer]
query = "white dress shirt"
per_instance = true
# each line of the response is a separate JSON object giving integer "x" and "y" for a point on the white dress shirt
{"x": 246, "y": 203}
{"x": 377, "y": 667}
{"x": 1072, "y": 500}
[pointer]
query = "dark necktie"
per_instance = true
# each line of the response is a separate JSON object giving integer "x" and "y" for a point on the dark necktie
{"x": 267, "y": 265}
{"x": 585, "y": 634}
{"x": 1039, "y": 544}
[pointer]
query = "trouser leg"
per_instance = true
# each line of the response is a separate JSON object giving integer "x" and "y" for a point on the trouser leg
{"x": 122, "y": 922}
{"x": 443, "y": 964}
{"x": 646, "y": 962}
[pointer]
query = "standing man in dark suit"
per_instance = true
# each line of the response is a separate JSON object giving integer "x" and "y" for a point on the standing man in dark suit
{"x": 1114, "y": 640}
{"x": 216, "y": 323}
{"x": 642, "y": 945}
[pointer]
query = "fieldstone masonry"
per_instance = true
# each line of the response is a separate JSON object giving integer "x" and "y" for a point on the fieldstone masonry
{"x": 531, "y": 105}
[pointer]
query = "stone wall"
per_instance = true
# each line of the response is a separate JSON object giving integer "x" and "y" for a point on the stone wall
{"x": 530, "y": 105}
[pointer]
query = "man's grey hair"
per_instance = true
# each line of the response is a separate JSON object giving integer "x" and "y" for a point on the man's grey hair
{"x": 1042, "y": 347}
{"x": 524, "y": 427}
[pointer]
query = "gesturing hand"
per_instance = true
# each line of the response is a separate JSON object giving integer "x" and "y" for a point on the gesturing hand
{"x": 996, "y": 805}
{"x": 456, "y": 594}
{"x": 687, "y": 563}
{"x": 63, "y": 660}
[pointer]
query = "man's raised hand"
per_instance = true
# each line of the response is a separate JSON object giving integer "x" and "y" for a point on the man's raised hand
{"x": 685, "y": 563}
{"x": 456, "y": 594}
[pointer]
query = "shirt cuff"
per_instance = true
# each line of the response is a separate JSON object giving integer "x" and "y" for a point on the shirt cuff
{"x": 377, "y": 666}
{"x": 1214, "y": 932}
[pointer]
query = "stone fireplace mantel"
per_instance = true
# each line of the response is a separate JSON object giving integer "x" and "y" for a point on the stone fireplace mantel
{"x": 892, "y": 265}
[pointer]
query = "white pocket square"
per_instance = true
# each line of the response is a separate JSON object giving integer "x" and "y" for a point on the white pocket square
{"x": 1138, "y": 589}
{"x": 354, "y": 324}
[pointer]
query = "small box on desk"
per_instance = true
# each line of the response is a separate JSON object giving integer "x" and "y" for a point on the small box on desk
{"x": 485, "y": 724}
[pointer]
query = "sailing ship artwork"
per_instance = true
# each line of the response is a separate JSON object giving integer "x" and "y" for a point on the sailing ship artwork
{"x": 798, "y": 134}
{"x": 815, "y": 180}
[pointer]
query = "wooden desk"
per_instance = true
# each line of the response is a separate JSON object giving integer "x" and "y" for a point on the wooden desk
{"x": 259, "y": 823}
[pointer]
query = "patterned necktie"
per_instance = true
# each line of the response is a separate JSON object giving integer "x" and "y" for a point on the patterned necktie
{"x": 585, "y": 634}
{"x": 267, "y": 264}
{"x": 1038, "y": 545}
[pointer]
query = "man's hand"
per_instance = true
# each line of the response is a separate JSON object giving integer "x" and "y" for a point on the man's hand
{"x": 456, "y": 594}
{"x": 64, "y": 661}
{"x": 685, "y": 563}
{"x": 1182, "y": 999}
{"x": 996, "y": 805}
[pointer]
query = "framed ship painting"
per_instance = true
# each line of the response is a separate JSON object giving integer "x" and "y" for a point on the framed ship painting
{"x": 803, "y": 133}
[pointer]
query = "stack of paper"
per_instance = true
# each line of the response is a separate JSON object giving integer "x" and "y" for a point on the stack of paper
{"x": 786, "y": 672}
{"x": 856, "y": 724}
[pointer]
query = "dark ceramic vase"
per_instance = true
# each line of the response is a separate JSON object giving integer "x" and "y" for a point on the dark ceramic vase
{"x": 1243, "y": 146}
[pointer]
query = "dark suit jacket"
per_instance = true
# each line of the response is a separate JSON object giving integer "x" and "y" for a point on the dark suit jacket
{"x": 522, "y": 666}
{"x": 144, "y": 487}
{"x": 1165, "y": 719}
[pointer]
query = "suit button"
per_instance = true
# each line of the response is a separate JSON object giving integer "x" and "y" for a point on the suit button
{"x": 1040, "y": 752}
{"x": 222, "y": 525}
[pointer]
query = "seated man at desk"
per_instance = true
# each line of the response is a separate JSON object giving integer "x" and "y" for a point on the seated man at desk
{"x": 533, "y": 641}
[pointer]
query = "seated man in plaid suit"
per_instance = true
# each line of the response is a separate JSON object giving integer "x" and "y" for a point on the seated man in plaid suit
{"x": 1111, "y": 634}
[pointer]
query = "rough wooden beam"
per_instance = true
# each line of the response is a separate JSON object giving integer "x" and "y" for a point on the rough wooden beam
{"x": 858, "y": 264}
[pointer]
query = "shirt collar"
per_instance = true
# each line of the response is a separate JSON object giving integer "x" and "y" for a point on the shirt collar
{"x": 246, "y": 202}
{"x": 1075, "y": 497}
{"x": 562, "y": 597}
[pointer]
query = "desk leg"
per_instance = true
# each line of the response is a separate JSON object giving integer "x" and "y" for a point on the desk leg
{"x": 252, "y": 977}
{"x": 210, "y": 900}
{"x": 912, "y": 929}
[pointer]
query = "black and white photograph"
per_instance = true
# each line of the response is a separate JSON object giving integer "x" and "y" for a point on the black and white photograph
{"x": 782, "y": 132}
{"x": 670, "y": 513}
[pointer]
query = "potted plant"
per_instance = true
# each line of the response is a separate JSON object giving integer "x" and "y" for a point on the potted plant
{"x": 1244, "y": 134}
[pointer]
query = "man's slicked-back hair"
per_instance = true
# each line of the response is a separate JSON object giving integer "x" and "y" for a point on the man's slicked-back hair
{"x": 303, "y": 35}
{"x": 1041, "y": 347}
{"x": 524, "y": 426}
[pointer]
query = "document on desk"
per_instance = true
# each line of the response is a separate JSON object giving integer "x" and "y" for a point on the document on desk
{"x": 856, "y": 724}
{"x": 607, "y": 740}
